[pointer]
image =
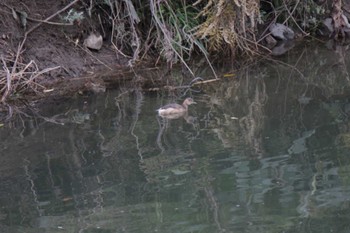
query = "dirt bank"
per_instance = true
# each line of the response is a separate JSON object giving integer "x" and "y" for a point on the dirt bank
{"x": 52, "y": 53}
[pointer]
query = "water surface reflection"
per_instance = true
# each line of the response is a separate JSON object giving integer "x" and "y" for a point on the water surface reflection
{"x": 267, "y": 152}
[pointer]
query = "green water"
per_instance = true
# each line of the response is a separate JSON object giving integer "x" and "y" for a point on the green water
{"x": 264, "y": 151}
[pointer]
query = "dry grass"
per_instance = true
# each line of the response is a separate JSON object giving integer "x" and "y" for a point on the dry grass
{"x": 21, "y": 79}
{"x": 16, "y": 76}
{"x": 229, "y": 24}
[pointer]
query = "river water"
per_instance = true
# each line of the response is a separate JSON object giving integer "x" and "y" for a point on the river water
{"x": 265, "y": 149}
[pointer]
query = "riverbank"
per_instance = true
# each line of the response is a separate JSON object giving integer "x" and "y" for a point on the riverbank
{"x": 59, "y": 48}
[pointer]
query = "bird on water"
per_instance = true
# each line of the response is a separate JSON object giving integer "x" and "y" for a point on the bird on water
{"x": 175, "y": 109}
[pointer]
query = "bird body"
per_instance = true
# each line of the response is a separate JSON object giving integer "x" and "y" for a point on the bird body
{"x": 174, "y": 109}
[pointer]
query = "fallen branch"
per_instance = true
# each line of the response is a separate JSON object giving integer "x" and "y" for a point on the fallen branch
{"x": 172, "y": 88}
{"x": 206, "y": 81}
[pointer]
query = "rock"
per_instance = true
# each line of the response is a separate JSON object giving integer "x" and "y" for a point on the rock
{"x": 281, "y": 31}
{"x": 93, "y": 41}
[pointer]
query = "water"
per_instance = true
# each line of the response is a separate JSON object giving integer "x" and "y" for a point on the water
{"x": 264, "y": 151}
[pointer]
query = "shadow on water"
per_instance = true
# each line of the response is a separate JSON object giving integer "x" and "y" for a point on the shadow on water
{"x": 266, "y": 151}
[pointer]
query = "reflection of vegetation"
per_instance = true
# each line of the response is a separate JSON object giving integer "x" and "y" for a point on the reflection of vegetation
{"x": 238, "y": 112}
{"x": 107, "y": 170}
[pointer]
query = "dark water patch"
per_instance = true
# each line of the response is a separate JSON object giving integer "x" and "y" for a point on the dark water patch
{"x": 265, "y": 152}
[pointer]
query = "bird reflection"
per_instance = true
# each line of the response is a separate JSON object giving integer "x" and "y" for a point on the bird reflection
{"x": 171, "y": 112}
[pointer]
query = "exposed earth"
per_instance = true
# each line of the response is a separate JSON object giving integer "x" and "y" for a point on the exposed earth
{"x": 57, "y": 47}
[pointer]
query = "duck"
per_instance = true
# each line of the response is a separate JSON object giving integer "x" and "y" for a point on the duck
{"x": 175, "y": 109}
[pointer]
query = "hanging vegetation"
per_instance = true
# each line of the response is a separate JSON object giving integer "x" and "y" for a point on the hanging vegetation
{"x": 229, "y": 24}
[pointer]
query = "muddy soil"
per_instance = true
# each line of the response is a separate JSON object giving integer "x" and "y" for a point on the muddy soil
{"x": 51, "y": 45}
